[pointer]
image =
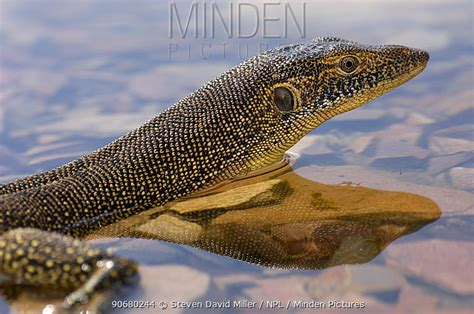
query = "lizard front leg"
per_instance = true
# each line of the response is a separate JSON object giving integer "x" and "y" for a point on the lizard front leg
{"x": 46, "y": 259}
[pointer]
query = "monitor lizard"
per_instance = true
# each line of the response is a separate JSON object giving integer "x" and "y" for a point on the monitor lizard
{"x": 237, "y": 123}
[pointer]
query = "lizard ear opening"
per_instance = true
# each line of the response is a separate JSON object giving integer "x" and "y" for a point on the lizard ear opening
{"x": 285, "y": 97}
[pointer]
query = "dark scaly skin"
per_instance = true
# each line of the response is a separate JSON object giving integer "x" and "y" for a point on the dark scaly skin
{"x": 52, "y": 260}
{"x": 227, "y": 128}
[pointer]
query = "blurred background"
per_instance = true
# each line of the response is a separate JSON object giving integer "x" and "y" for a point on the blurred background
{"x": 75, "y": 75}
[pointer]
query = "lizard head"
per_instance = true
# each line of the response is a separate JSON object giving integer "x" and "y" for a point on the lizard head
{"x": 307, "y": 84}
{"x": 268, "y": 103}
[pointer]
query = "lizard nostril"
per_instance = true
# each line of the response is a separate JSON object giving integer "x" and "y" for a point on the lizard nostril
{"x": 425, "y": 56}
{"x": 420, "y": 55}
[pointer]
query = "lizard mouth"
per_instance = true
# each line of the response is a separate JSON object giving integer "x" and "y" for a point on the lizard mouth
{"x": 391, "y": 84}
{"x": 400, "y": 79}
{"x": 416, "y": 63}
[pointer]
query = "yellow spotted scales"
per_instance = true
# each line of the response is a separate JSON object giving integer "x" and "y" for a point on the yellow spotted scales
{"x": 241, "y": 121}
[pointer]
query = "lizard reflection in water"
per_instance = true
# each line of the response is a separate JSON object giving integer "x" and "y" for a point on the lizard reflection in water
{"x": 279, "y": 219}
{"x": 240, "y": 122}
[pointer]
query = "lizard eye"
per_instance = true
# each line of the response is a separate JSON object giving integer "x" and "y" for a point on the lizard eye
{"x": 349, "y": 64}
{"x": 283, "y": 99}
